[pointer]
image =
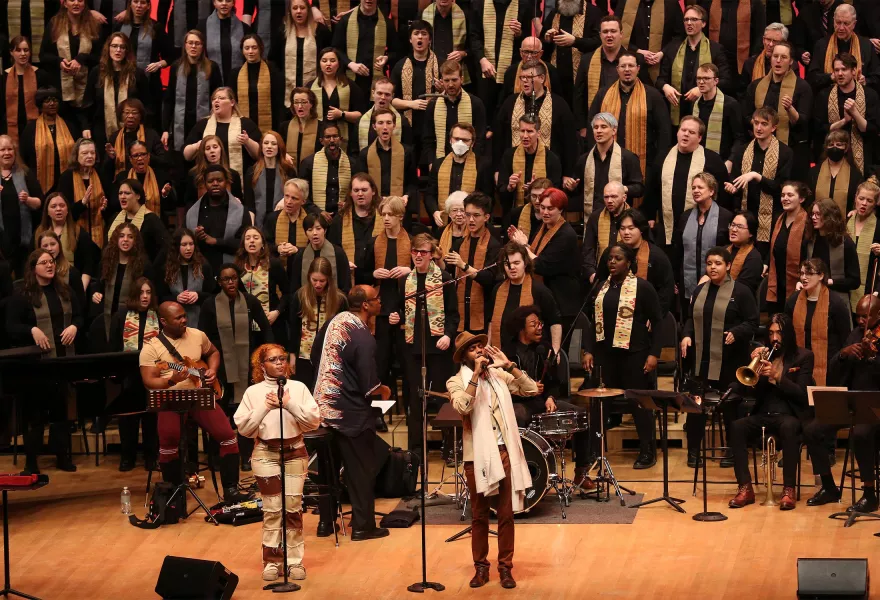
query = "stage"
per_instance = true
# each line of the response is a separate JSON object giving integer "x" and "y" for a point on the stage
{"x": 70, "y": 541}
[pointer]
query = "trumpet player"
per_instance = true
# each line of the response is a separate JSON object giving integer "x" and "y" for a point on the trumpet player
{"x": 781, "y": 392}
{"x": 855, "y": 366}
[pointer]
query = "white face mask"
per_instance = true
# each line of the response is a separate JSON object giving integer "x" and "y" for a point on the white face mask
{"x": 460, "y": 148}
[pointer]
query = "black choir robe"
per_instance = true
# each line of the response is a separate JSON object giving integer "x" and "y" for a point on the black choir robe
{"x": 728, "y": 35}
{"x": 432, "y": 200}
{"x": 91, "y": 116}
{"x": 560, "y": 272}
{"x": 410, "y": 175}
{"x": 214, "y": 219}
{"x": 726, "y": 78}
{"x": 820, "y": 80}
{"x": 855, "y": 179}
{"x": 363, "y": 235}
{"x": 852, "y": 276}
{"x": 752, "y": 270}
{"x": 821, "y": 124}
{"x": 563, "y": 135}
{"x": 673, "y": 23}
{"x": 276, "y": 92}
{"x": 278, "y": 54}
{"x": 334, "y": 196}
{"x": 541, "y": 297}
{"x": 733, "y": 131}
{"x": 607, "y": 76}
{"x": 429, "y": 136}
{"x": 773, "y": 186}
{"x": 631, "y": 172}
{"x": 50, "y": 8}
{"x": 590, "y": 248}
{"x": 807, "y": 28}
{"x": 367, "y": 34}
{"x": 198, "y": 132}
{"x": 485, "y": 279}
{"x": 169, "y": 102}
{"x": 839, "y": 323}
{"x": 720, "y": 236}
{"x": 660, "y": 275}
{"x": 158, "y": 157}
{"x": 295, "y": 235}
{"x": 554, "y": 174}
{"x": 341, "y": 268}
{"x": 585, "y": 45}
{"x": 42, "y": 81}
{"x": 225, "y": 27}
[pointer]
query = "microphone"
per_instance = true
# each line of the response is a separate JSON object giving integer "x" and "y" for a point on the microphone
{"x": 282, "y": 381}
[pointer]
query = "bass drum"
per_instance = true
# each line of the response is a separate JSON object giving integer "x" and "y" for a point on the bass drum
{"x": 541, "y": 462}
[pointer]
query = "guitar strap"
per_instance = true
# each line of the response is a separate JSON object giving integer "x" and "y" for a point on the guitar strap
{"x": 170, "y": 347}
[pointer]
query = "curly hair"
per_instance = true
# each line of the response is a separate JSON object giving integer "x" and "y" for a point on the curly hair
{"x": 241, "y": 255}
{"x": 259, "y": 357}
{"x": 137, "y": 257}
{"x": 172, "y": 261}
{"x": 833, "y": 225}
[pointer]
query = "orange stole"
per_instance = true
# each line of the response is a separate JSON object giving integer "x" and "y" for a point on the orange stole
{"x": 477, "y": 316}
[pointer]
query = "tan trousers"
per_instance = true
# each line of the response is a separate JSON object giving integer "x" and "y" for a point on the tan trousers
{"x": 267, "y": 471}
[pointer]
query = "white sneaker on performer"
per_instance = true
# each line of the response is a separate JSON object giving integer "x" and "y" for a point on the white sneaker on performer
{"x": 296, "y": 572}
{"x": 271, "y": 572}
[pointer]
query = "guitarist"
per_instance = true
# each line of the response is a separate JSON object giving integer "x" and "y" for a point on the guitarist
{"x": 175, "y": 344}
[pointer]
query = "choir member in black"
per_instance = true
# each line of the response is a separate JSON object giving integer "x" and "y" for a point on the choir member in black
{"x": 270, "y": 13}
{"x": 309, "y": 308}
{"x": 527, "y": 218}
{"x": 552, "y": 250}
{"x": 295, "y": 44}
{"x": 20, "y": 202}
{"x": 133, "y": 209}
{"x": 722, "y": 115}
{"x": 82, "y": 185}
{"x": 387, "y": 264}
{"x": 738, "y": 27}
{"x": 758, "y": 65}
{"x": 30, "y": 20}
{"x": 600, "y": 231}
{"x": 259, "y": 86}
{"x": 382, "y": 94}
{"x": 780, "y": 405}
{"x": 339, "y": 100}
{"x": 130, "y": 114}
{"x": 531, "y": 159}
{"x": 116, "y": 78}
{"x": 224, "y": 32}
{"x": 836, "y": 176}
{"x": 671, "y": 192}
{"x": 67, "y": 272}
{"x": 136, "y": 322}
{"x": 843, "y": 39}
{"x": 211, "y": 152}
{"x": 862, "y": 229}
{"x": 267, "y": 177}
{"x": 47, "y": 141}
{"x": 642, "y": 17}
{"x": 455, "y": 230}
{"x": 303, "y": 129}
{"x": 77, "y": 246}
{"x": 357, "y": 223}
{"x": 851, "y": 107}
{"x": 373, "y": 46}
{"x": 19, "y": 86}
{"x": 151, "y": 48}
{"x": 826, "y": 238}
{"x": 218, "y": 219}
{"x": 814, "y": 22}
{"x": 786, "y": 245}
{"x": 157, "y": 185}
{"x": 185, "y": 17}
{"x": 477, "y": 252}
{"x": 264, "y": 278}
{"x": 315, "y": 227}
{"x": 413, "y": 76}
{"x": 531, "y": 48}
{"x": 440, "y": 325}
{"x": 240, "y": 135}
{"x": 44, "y": 312}
{"x": 235, "y": 323}
{"x": 854, "y": 366}
{"x": 283, "y": 227}
{"x": 643, "y": 125}
{"x": 71, "y": 50}
{"x": 328, "y": 171}
{"x": 758, "y": 173}
{"x": 557, "y": 131}
{"x": 681, "y": 60}
{"x": 718, "y": 346}
{"x": 122, "y": 262}
{"x": 192, "y": 81}
{"x": 651, "y": 262}
{"x": 747, "y": 267}
{"x": 457, "y": 106}
{"x": 605, "y": 162}
{"x": 570, "y": 34}
{"x": 621, "y": 344}
{"x": 454, "y": 38}
{"x": 822, "y": 320}
{"x": 186, "y": 278}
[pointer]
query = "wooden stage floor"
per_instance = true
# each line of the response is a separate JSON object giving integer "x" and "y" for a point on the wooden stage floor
{"x": 69, "y": 541}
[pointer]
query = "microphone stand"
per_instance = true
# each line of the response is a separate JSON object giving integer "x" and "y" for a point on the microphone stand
{"x": 421, "y": 297}
{"x": 285, "y": 586}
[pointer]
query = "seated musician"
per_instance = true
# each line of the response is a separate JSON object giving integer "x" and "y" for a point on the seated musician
{"x": 176, "y": 342}
{"x": 528, "y": 351}
{"x": 781, "y": 394}
{"x": 856, "y": 367}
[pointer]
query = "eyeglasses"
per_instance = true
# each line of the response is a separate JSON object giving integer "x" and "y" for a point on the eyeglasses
{"x": 301, "y": 102}
{"x": 692, "y": 19}
{"x": 421, "y": 252}
{"x": 537, "y": 324}
{"x": 46, "y": 262}
{"x": 457, "y": 210}
{"x": 703, "y": 79}
{"x": 194, "y": 43}
{"x": 227, "y": 279}
{"x": 478, "y": 215}
{"x": 737, "y": 226}
{"x": 276, "y": 360}
{"x": 139, "y": 155}
{"x": 118, "y": 46}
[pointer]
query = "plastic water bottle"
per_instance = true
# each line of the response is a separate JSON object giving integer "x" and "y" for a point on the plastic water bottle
{"x": 126, "y": 501}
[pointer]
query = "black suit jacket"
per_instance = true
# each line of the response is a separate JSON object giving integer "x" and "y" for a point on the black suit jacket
{"x": 797, "y": 374}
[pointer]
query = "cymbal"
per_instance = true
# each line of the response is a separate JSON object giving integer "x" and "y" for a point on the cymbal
{"x": 600, "y": 392}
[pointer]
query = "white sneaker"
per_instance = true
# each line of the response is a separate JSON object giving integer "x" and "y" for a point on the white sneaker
{"x": 270, "y": 572}
{"x": 296, "y": 572}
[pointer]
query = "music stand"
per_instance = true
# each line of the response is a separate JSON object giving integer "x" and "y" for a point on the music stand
{"x": 8, "y": 590}
{"x": 709, "y": 406}
{"x": 657, "y": 400}
{"x": 181, "y": 402}
{"x": 839, "y": 408}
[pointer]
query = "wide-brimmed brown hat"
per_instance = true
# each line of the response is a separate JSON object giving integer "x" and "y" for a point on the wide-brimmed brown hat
{"x": 465, "y": 340}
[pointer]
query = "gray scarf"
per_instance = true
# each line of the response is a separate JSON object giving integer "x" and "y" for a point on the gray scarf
{"x": 145, "y": 44}
{"x": 44, "y": 323}
{"x": 328, "y": 251}
{"x": 836, "y": 264}
{"x": 180, "y": 27}
{"x": 27, "y": 226}
{"x": 691, "y": 270}
{"x": 109, "y": 288}
{"x": 233, "y": 219}
{"x": 264, "y": 23}
{"x": 260, "y": 199}
{"x": 203, "y": 103}
{"x": 234, "y": 342}
{"x": 193, "y": 284}
{"x": 236, "y": 32}
{"x": 716, "y": 341}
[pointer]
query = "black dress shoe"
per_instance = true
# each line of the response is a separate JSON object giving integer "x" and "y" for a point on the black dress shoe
{"x": 824, "y": 496}
{"x": 381, "y": 425}
{"x": 325, "y": 528}
{"x": 369, "y": 534}
{"x": 694, "y": 460}
{"x": 246, "y": 466}
{"x": 832, "y": 458}
{"x": 65, "y": 464}
{"x": 865, "y": 505}
{"x": 645, "y": 461}
{"x": 31, "y": 469}
{"x": 126, "y": 464}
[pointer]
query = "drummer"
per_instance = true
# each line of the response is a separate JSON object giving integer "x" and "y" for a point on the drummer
{"x": 622, "y": 344}
{"x": 539, "y": 363}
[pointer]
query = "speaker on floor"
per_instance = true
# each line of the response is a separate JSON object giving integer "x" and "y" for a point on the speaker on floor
{"x": 193, "y": 579}
{"x": 826, "y": 578}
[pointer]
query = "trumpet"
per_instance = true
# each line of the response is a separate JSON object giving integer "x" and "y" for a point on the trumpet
{"x": 768, "y": 464}
{"x": 748, "y": 375}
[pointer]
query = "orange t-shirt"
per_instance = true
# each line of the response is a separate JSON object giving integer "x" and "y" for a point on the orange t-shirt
{"x": 192, "y": 344}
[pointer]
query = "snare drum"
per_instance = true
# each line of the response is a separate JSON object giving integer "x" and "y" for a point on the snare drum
{"x": 560, "y": 423}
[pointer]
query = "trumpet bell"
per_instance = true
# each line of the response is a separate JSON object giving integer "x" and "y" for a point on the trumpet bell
{"x": 748, "y": 375}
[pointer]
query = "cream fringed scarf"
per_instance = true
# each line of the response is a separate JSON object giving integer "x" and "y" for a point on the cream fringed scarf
{"x": 113, "y": 97}
{"x": 292, "y": 78}
{"x": 465, "y": 115}
{"x": 490, "y": 22}
{"x": 73, "y": 87}
{"x": 615, "y": 173}
{"x": 698, "y": 161}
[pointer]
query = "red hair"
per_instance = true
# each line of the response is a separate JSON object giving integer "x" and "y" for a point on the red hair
{"x": 558, "y": 198}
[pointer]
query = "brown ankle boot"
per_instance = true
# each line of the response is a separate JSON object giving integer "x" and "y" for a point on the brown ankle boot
{"x": 787, "y": 502}
{"x": 745, "y": 495}
{"x": 507, "y": 581}
{"x": 481, "y": 576}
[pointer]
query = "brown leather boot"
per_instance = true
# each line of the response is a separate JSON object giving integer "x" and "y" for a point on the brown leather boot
{"x": 580, "y": 478}
{"x": 745, "y": 495}
{"x": 507, "y": 581}
{"x": 481, "y": 576}
{"x": 787, "y": 502}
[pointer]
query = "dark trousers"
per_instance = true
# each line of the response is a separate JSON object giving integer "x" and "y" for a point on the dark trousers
{"x": 816, "y": 436}
{"x": 439, "y": 369}
{"x": 128, "y": 435}
{"x": 626, "y": 370}
{"x": 359, "y": 459}
{"x": 324, "y": 475}
{"x": 526, "y": 409}
{"x": 787, "y": 429}
{"x": 480, "y": 517}
{"x": 389, "y": 342}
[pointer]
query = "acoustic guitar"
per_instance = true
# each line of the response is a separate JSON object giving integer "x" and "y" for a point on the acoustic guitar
{"x": 195, "y": 370}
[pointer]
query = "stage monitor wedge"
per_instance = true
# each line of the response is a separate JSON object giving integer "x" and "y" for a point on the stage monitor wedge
{"x": 837, "y": 578}
{"x": 193, "y": 579}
